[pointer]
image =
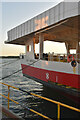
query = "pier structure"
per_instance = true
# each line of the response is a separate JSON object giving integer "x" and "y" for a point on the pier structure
{"x": 59, "y": 24}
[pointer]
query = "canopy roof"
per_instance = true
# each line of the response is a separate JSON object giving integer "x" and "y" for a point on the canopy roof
{"x": 60, "y": 24}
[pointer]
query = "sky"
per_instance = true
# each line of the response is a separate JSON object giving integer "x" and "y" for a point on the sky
{"x": 15, "y": 13}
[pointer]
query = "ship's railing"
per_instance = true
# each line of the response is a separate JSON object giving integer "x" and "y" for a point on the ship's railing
{"x": 33, "y": 94}
{"x": 58, "y": 57}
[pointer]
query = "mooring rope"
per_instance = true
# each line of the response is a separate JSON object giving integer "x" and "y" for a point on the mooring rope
{"x": 9, "y": 63}
{"x": 18, "y": 70}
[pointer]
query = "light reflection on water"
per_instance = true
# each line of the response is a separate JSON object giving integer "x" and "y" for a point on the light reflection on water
{"x": 45, "y": 107}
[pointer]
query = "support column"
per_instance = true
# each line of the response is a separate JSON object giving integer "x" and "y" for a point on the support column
{"x": 34, "y": 45}
{"x": 68, "y": 48}
{"x": 78, "y": 51}
{"x": 41, "y": 39}
{"x": 30, "y": 48}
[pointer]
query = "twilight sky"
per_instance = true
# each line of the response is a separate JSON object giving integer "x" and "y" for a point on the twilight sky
{"x": 15, "y": 13}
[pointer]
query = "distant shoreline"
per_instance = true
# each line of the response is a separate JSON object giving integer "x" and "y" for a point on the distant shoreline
{"x": 9, "y": 56}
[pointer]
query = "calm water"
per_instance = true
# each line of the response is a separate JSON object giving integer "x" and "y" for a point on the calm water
{"x": 42, "y": 106}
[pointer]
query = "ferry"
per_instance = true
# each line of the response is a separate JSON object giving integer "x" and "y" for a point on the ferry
{"x": 58, "y": 24}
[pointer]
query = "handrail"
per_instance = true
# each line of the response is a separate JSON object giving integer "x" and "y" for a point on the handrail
{"x": 61, "y": 57}
{"x": 10, "y": 86}
{"x": 27, "y": 108}
{"x": 53, "y": 101}
{"x": 47, "y": 99}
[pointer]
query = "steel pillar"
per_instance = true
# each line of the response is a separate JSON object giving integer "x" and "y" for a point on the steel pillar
{"x": 41, "y": 39}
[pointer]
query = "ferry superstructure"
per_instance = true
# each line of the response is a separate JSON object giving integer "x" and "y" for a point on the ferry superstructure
{"x": 59, "y": 24}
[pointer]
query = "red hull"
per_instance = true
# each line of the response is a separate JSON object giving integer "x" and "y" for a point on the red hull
{"x": 72, "y": 80}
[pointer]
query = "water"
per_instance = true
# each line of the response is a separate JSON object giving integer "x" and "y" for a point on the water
{"x": 42, "y": 106}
